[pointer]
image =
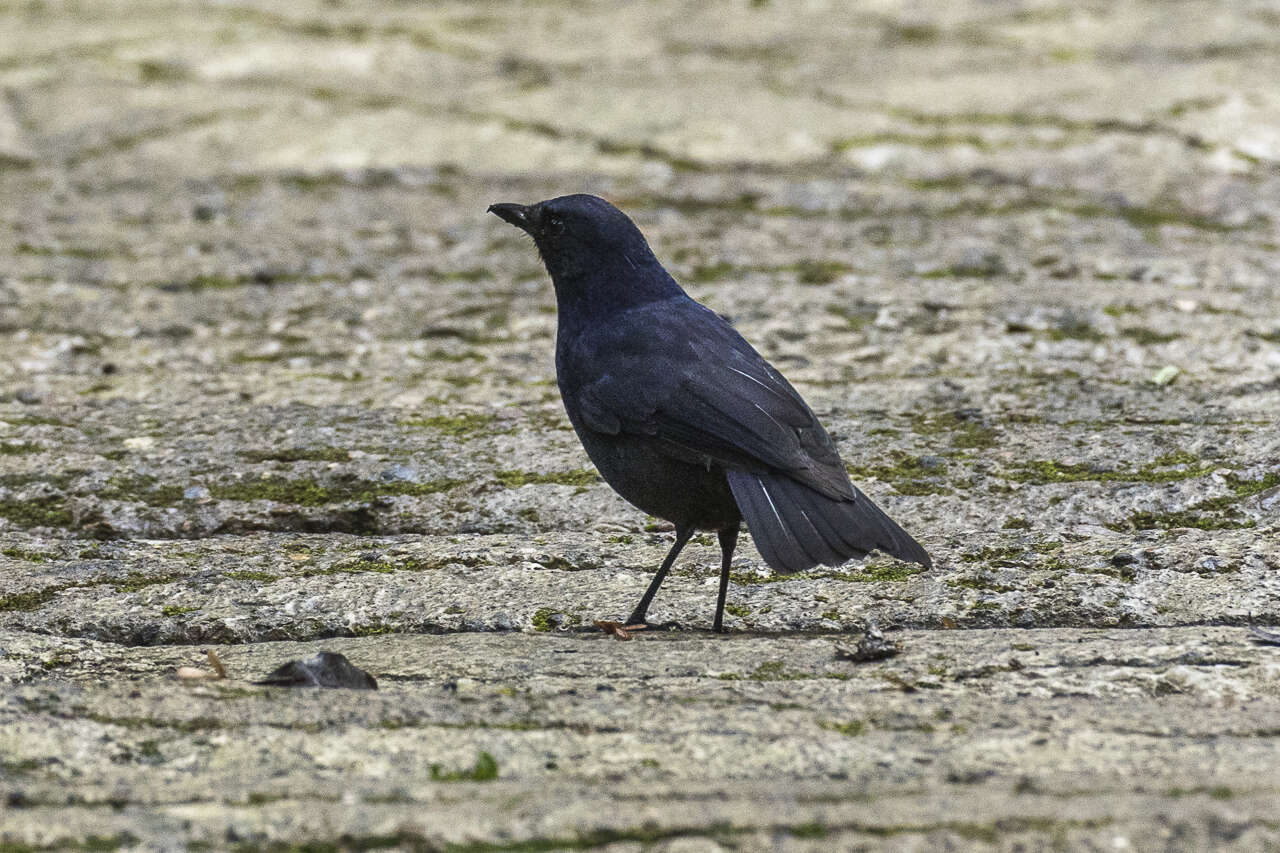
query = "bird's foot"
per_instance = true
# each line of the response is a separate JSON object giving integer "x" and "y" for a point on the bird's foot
{"x": 618, "y": 629}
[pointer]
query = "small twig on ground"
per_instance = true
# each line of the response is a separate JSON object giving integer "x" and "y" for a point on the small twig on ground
{"x": 192, "y": 673}
{"x": 216, "y": 663}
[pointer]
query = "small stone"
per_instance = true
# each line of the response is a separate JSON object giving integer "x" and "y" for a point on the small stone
{"x": 400, "y": 474}
{"x": 323, "y": 669}
{"x": 1106, "y": 268}
{"x": 269, "y": 274}
{"x": 871, "y": 646}
{"x": 16, "y": 149}
{"x": 977, "y": 262}
{"x": 868, "y": 353}
{"x": 886, "y": 320}
{"x": 1165, "y": 376}
{"x": 195, "y": 493}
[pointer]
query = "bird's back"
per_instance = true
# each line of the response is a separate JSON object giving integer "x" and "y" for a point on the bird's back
{"x": 675, "y": 370}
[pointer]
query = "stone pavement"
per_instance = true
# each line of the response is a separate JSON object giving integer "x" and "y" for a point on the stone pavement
{"x": 272, "y": 381}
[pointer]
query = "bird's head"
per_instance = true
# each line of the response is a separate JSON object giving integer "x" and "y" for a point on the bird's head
{"x": 591, "y": 249}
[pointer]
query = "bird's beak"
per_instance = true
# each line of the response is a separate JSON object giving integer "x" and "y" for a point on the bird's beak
{"x": 516, "y": 214}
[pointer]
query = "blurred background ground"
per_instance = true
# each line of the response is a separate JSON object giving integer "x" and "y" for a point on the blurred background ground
{"x": 271, "y": 380}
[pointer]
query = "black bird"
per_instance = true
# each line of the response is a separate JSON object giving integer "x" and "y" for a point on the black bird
{"x": 680, "y": 414}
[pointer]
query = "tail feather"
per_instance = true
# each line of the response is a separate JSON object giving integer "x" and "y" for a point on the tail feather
{"x": 806, "y": 523}
{"x": 774, "y": 539}
{"x": 795, "y": 527}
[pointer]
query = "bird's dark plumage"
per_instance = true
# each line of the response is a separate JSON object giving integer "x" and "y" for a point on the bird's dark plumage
{"x": 681, "y": 415}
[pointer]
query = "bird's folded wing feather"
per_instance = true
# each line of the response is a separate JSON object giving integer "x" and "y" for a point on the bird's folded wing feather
{"x": 707, "y": 394}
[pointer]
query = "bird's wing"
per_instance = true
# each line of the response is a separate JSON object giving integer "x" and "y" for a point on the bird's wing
{"x": 683, "y": 376}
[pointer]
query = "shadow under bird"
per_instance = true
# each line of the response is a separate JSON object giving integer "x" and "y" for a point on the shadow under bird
{"x": 681, "y": 416}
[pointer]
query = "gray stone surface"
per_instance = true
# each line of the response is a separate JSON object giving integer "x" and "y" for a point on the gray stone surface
{"x": 271, "y": 382}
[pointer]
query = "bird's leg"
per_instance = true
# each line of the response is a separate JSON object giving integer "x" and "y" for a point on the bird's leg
{"x": 728, "y": 541}
{"x": 637, "y": 615}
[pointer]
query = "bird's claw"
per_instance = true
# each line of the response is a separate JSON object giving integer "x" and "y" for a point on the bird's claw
{"x": 618, "y": 629}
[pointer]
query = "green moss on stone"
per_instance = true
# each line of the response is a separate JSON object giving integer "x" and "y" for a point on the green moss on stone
{"x": 979, "y": 582}
{"x": 484, "y": 770}
{"x": 1212, "y": 514}
{"x": 541, "y": 620}
{"x": 1217, "y": 792}
{"x": 29, "y": 556}
{"x": 1076, "y": 330}
{"x": 371, "y": 629}
{"x": 809, "y": 830}
{"x": 135, "y": 581}
{"x": 1192, "y": 517}
{"x": 141, "y": 489}
{"x": 909, "y": 475}
{"x": 1005, "y": 555}
{"x": 303, "y": 492}
{"x": 965, "y": 430}
{"x": 30, "y": 600}
{"x": 458, "y": 426}
{"x": 295, "y": 492}
{"x": 47, "y": 511}
{"x": 1246, "y": 488}
{"x": 1163, "y": 469}
{"x": 1150, "y": 218}
{"x": 298, "y": 454}
{"x": 441, "y": 355}
{"x": 1146, "y": 337}
{"x": 88, "y": 844}
{"x": 855, "y": 316}
{"x": 895, "y": 572}
{"x": 250, "y": 575}
{"x": 29, "y": 419}
{"x": 713, "y": 272}
{"x": 15, "y": 448}
{"x": 580, "y": 477}
{"x": 775, "y": 670}
{"x": 872, "y": 573}
{"x": 820, "y": 272}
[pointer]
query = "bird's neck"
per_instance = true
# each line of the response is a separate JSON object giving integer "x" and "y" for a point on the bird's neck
{"x": 592, "y": 293}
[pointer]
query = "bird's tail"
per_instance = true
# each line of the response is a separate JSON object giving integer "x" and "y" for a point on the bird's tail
{"x": 795, "y": 527}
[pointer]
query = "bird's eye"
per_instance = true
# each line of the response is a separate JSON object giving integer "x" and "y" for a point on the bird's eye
{"x": 553, "y": 225}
